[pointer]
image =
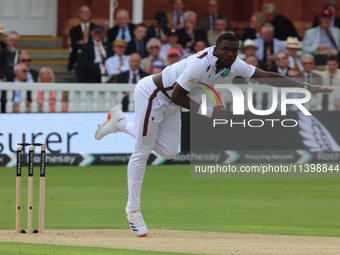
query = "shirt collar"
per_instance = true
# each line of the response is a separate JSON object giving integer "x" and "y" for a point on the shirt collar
{"x": 212, "y": 61}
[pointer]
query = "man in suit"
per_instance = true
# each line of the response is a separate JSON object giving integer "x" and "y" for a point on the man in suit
{"x": 25, "y": 58}
{"x": 138, "y": 43}
{"x": 123, "y": 29}
{"x": 206, "y": 22}
{"x": 332, "y": 5}
{"x": 281, "y": 63}
{"x": 20, "y": 71}
{"x": 268, "y": 46}
{"x": 282, "y": 25}
{"x": 220, "y": 26}
{"x": 331, "y": 77}
{"x": 3, "y": 53}
{"x": 13, "y": 52}
{"x": 80, "y": 35}
{"x": 93, "y": 56}
{"x": 132, "y": 76}
{"x": 322, "y": 39}
{"x": 188, "y": 34}
{"x": 160, "y": 28}
{"x": 309, "y": 75}
{"x": 175, "y": 17}
{"x": 154, "y": 47}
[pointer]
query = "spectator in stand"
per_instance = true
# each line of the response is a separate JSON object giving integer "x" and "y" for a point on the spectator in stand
{"x": 282, "y": 25}
{"x": 332, "y": 5}
{"x": 309, "y": 75}
{"x": 123, "y": 29}
{"x": 294, "y": 73}
{"x": 249, "y": 48}
{"x": 173, "y": 56}
{"x": 159, "y": 29}
{"x": 157, "y": 67}
{"x": 25, "y": 58}
{"x": 3, "y": 53}
{"x": 13, "y": 52}
{"x": 138, "y": 44}
{"x": 20, "y": 71}
{"x": 220, "y": 27}
{"x": 79, "y": 35}
{"x": 118, "y": 62}
{"x": 331, "y": 77}
{"x": 268, "y": 46}
{"x": 154, "y": 47}
{"x": 175, "y": 17}
{"x": 293, "y": 46}
{"x": 206, "y": 22}
{"x": 172, "y": 43}
{"x": 93, "y": 56}
{"x": 188, "y": 34}
{"x": 323, "y": 39}
{"x": 253, "y": 32}
{"x": 46, "y": 75}
{"x": 3, "y": 64}
{"x": 281, "y": 61}
{"x": 132, "y": 76}
{"x": 198, "y": 46}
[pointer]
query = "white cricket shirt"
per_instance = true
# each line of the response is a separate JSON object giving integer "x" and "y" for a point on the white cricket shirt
{"x": 200, "y": 68}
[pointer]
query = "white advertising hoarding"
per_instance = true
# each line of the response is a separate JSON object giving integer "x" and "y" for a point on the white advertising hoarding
{"x": 62, "y": 133}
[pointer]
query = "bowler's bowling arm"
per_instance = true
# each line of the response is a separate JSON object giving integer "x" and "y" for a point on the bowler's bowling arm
{"x": 278, "y": 80}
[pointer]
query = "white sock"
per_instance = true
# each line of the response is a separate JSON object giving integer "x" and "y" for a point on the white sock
{"x": 127, "y": 127}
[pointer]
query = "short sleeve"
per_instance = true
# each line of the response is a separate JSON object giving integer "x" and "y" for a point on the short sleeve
{"x": 191, "y": 74}
{"x": 242, "y": 69}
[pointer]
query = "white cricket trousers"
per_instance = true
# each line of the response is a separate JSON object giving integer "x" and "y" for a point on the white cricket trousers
{"x": 157, "y": 128}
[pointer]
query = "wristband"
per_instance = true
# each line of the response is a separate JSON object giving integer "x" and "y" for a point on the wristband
{"x": 208, "y": 113}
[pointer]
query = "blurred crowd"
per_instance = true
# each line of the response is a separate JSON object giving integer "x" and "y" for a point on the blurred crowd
{"x": 128, "y": 52}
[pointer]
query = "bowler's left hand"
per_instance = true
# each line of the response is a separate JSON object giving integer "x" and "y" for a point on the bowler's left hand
{"x": 314, "y": 90}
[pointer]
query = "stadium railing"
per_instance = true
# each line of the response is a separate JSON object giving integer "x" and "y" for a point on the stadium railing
{"x": 85, "y": 97}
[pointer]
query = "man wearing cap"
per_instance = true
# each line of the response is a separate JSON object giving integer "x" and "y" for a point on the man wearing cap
{"x": 333, "y": 6}
{"x": 80, "y": 34}
{"x": 93, "y": 56}
{"x": 323, "y": 38}
{"x": 153, "y": 47}
{"x": 157, "y": 67}
{"x": 118, "y": 62}
{"x": 160, "y": 28}
{"x": 293, "y": 46}
{"x": 172, "y": 43}
{"x": 173, "y": 56}
{"x": 249, "y": 47}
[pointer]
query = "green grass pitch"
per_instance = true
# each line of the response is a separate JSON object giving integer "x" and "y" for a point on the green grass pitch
{"x": 95, "y": 197}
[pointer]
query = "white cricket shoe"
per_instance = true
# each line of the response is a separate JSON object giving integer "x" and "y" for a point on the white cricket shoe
{"x": 136, "y": 221}
{"x": 110, "y": 124}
